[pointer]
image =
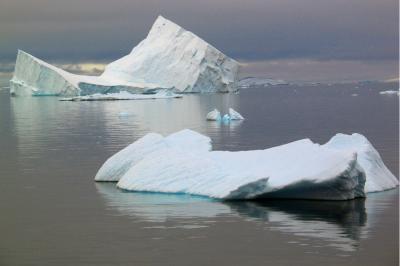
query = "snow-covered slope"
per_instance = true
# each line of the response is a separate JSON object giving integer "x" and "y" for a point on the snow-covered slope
{"x": 302, "y": 169}
{"x": 313, "y": 173}
{"x": 199, "y": 66}
{"x": 168, "y": 52}
{"x": 118, "y": 164}
{"x": 378, "y": 175}
{"x": 249, "y": 82}
{"x": 32, "y": 76}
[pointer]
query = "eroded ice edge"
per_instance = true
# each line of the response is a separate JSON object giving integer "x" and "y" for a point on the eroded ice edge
{"x": 168, "y": 52}
{"x": 346, "y": 167}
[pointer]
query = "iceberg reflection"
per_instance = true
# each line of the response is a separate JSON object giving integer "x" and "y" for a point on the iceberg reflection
{"x": 337, "y": 224}
{"x": 159, "y": 207}
{"x": 340, "y": 223}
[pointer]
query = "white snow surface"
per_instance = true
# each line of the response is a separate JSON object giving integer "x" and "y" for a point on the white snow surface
{"x": 214, "y": 115}
{"x": 378, "y": 175}
{"x": 124, "y": 95}
{"x": 168, "y": 52}
{"x": 302, "y": 169}
{"x": 234, "y": 115}
{"x": 118, "y": 164}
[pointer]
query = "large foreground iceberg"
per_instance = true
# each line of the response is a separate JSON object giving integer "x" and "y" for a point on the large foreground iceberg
{"x": 345, "y": 168}
{"x": 168, "y": 58}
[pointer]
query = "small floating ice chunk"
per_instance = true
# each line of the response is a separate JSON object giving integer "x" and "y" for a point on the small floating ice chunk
{"x": 354, "y": 94}
{"x": 226, "y": 118}
{"x": 389, "y": 92}
{"x": 214, "y": 115}
{"x": 234, "y": 115}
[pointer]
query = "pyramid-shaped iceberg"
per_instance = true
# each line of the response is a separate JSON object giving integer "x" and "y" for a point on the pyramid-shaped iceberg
{"x": 170, "y": 57}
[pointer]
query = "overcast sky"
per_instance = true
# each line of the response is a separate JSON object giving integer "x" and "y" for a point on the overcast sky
{"x": 291, "y": 39}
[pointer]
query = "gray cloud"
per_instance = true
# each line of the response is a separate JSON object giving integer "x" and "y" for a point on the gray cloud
{"x": 253, "y": 30}
{"x": 306, "y": 70}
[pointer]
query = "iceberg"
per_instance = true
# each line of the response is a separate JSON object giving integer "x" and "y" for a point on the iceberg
{"x": 226, "y": 118}
{"x": 118, "y": 164}
{"x": 342, "y": 169}
{"x": 249, "y": 82}
{"x": 314, "y": 173}
{"x": 214, "y": 115}
{"x": 389, "y": 92}
{"x": 168, "y": 51}
{"x": 234, "y": 115}
{"x": 378, "y": 175}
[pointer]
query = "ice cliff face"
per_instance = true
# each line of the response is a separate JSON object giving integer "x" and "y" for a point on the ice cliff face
{"x": 380, "y": 178}
{"x": 35, "y": 77}
{"x": 169, "y": 58}
{"x": 345, "y": 168}
{"x": 199, "y": 66}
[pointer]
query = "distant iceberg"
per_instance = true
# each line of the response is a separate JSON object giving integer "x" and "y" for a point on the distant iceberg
{"x": 249, "y": 82}
{"x": 214, "y": 115}
{"x": 167, "y": 52}
{"x": 345, "y": 168}
{"x": 234, "y": 115}
{"x": 390, "y": 92}
{"x": 226, "y": 118}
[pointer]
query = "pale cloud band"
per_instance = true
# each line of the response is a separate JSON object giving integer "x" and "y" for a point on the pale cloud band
{"x": 289, "y": 39}
{"x": 308, "y": 70}
{"x": 294, "y": 70}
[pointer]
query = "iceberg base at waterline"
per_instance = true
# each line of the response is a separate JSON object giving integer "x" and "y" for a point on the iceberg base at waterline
{"x": 118, "y": 164}
{"x": 345, "y": 168}
{"x": 124, "y": 95}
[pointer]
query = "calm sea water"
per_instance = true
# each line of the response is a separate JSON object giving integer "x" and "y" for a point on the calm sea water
{"x": 52, "y": 213}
